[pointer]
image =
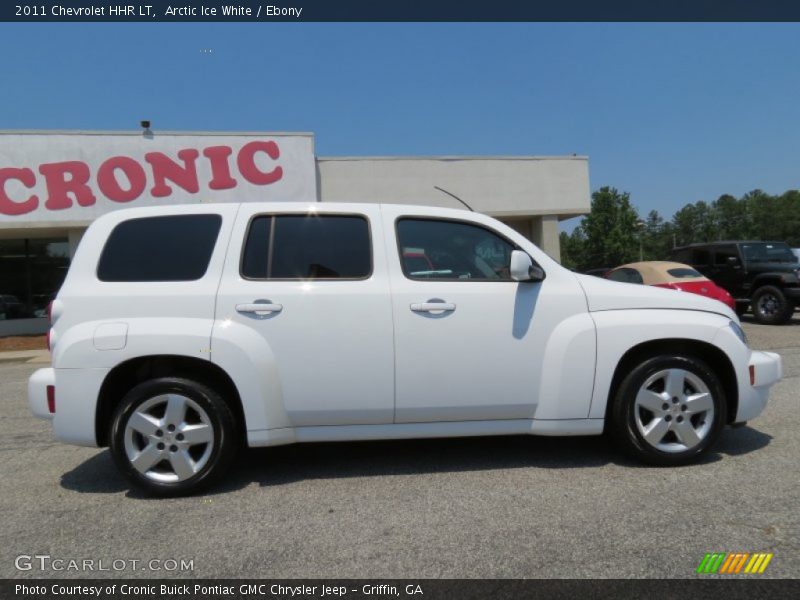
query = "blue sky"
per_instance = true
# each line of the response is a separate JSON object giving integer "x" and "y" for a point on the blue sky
{"x": 672, "y": 113}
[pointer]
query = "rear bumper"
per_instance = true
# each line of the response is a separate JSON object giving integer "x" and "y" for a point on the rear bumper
{"x": 37, "y": 392}
{"x": 76, "y": 394}
{"x": 767, "y": 370}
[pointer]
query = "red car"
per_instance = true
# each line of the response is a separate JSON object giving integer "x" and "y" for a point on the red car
{"x": 671, "y": 275}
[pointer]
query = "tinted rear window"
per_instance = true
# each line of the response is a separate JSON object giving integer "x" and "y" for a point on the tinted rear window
{"x": 170, "y": 248}
{"x": 682, "y": 272}
{"x": 308, "y": 247}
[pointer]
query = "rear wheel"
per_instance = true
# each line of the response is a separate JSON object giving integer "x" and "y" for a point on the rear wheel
{"x": 668, "y": 410}
{"x": 172, "y": 436}
{"x": 770, "y": 306}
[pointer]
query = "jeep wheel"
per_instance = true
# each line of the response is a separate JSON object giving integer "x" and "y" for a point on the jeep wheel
{"x": 668, "y": 410}
{"x": 770, "y": 306}
{"x": 172, "y": 436}
{"x": 741, "y": 308}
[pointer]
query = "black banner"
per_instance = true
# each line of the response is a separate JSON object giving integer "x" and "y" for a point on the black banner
{"x": 404, "y": 10}
{"x": 422, "y": 589}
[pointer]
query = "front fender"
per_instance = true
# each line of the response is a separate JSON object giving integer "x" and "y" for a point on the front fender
{"x": 568, "y": 368}
{"x": 620, "y": 330}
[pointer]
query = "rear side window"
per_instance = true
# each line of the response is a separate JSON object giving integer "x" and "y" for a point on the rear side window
{"x": 626, "y": 275}
{"x": 169, "y": 248}
{"x": 721, "y": 255}
{"x": 700, "y": 257}
{"x": 683, "y": 272}
{"x": 307, "y": 247}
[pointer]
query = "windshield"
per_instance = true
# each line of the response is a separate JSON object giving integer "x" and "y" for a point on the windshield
{"x": 768, "y": 252}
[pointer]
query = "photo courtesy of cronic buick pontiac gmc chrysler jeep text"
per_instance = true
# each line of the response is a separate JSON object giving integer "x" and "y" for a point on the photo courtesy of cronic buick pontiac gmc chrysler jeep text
{"x": 183, "y": 333}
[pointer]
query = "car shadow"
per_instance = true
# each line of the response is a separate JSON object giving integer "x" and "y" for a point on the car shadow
{"x": 283, "y": 465}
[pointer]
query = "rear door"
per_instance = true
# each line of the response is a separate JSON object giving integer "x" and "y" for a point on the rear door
{"x": 314, "y": 286}
{"x": 726, "y": 273}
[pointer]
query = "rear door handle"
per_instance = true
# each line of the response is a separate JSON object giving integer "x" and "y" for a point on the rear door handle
{"x": 433, "y": 307}
{"x": 259, "y": 308}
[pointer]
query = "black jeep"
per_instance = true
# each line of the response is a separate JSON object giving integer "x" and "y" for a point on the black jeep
{"x": 763, "y": 275}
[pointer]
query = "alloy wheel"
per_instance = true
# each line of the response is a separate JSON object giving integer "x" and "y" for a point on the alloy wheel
{"x": 768, "y": 305}
{"x": 674, "y": 410}
{"x": 169, "y": 438}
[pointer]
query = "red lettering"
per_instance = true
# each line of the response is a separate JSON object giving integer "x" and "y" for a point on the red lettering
{"x": 59, "y": 186}
{"x": 9, "y": 206}
{"x": 220, "y": 170}
{"x": 247, "y": 164}
{"x": 165, "y": 168}
{"x": 110, "y": 187}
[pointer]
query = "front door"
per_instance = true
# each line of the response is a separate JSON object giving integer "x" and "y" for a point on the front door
{"x": 465, "y": 338}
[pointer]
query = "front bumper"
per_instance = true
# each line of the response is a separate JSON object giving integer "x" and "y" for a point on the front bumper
{"x": 765, "y": 369}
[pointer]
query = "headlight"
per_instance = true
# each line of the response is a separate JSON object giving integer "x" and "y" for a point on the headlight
{"x": 738, "y": 331}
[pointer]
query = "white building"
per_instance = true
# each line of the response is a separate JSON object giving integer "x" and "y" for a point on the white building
{"x": 53, "y": 184}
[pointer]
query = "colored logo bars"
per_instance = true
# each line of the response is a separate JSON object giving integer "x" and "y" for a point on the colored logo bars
{"x": 734, "y": 563}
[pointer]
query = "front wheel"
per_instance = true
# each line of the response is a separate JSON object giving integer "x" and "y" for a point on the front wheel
{"x": 172, "y": 436}
{"x": 771, "y": 306}
{"x": 668, "y": 410}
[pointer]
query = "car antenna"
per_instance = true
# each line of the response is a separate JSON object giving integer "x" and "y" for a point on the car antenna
{"x": 436, "y": 187}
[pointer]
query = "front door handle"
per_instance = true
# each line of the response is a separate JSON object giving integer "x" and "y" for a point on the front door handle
{"x": 433, "y": 307}
{"x": 259, "y": 308}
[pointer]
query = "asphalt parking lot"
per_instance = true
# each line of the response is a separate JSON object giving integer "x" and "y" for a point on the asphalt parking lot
{"x": 483, "y": 507}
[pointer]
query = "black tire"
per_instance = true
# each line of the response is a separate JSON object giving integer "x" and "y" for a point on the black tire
{"x": 623, "y": 414}
{"x": 219, "y": 415}
{"x": 741, "y": 308}
{"x": 771, "y": 306}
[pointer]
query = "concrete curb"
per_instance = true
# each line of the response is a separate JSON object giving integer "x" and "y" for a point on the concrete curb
{"x": 25, "y": 356}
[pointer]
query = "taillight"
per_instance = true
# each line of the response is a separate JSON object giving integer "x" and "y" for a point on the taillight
{"x": 51, "y": 399}
{"x": 752, "y": 374}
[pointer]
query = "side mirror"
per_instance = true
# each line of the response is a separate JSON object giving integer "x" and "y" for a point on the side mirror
{"x": 523, "y": 269}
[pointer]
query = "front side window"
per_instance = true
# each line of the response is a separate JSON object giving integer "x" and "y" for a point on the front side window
{"x": 436, "y": 249}
{"x": 768, "y": 252}
{"x": 169, "y": 248}
{"x": 307, "y": 247}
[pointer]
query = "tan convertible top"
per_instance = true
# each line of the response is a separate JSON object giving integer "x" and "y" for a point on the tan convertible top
{"x": 657, "y": 271}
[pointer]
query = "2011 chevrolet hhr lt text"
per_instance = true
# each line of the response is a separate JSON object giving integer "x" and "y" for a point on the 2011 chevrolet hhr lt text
{"x": 182, "y": 333}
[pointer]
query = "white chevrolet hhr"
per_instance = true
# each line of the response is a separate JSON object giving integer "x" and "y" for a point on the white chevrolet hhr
{"x": 183, "y": 333}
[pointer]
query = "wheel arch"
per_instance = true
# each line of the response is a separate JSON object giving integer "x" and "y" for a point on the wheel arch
{"x": 774, "y": 279}
{"x": 126, "y": 375}
{"x": 711, "y": 354}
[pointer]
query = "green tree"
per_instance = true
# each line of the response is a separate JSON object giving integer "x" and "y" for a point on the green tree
{"x": 732, "y": 218}
{"x": 656, "y": 237}
{"x": 612, "y": 236}
{"x": 762, "y": 210}
{"x": 573, "y": 249}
